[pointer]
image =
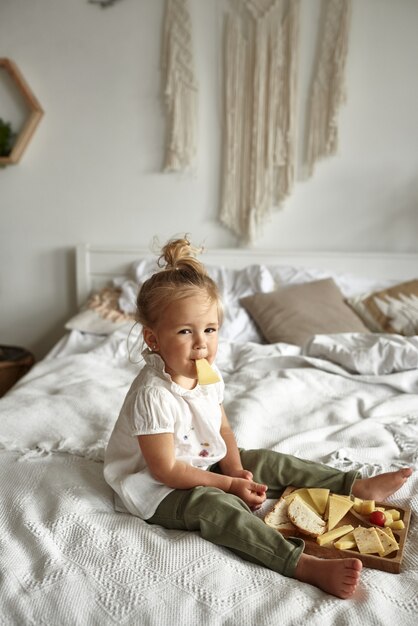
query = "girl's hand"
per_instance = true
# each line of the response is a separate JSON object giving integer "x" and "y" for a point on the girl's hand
{"x": 241, "y": 473}
{"x": 253, "y": 494}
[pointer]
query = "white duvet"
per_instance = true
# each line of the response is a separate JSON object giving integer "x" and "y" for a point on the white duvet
{"x": 67, "y": 558}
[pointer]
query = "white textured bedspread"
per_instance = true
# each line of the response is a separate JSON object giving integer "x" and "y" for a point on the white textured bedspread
{"x": 67, "y": 558}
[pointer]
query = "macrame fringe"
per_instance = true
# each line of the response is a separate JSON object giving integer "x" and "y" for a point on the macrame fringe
{"x": 181, "y": 89}
{"x": 259, "y": 151}
{"x": 328, "y": 91}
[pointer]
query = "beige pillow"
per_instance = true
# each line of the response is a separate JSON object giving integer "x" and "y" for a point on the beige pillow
{"x": 392, "y": 310}
{"x": 102, "y": 314}
{"x": 294, "y": 313}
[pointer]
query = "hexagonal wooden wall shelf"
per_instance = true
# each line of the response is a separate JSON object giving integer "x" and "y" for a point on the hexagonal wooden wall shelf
{"x": 33, "y": 118}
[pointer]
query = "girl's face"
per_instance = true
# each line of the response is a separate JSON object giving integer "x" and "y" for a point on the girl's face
{"x": 187, "y": 330}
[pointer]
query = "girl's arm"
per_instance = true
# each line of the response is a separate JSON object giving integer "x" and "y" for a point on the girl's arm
{"x": 231, "y": 463}
{"x": 158, "y": 451}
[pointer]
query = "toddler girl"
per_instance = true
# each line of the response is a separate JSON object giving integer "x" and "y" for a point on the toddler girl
{"x": 172, "y": 458}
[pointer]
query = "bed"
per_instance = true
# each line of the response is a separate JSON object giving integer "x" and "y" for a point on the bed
{"x": 320, "y": 357}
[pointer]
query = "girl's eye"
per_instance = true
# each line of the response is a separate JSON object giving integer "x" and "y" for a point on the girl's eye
{"x": 210, "y": 330}
{"x": 184, "y": 331}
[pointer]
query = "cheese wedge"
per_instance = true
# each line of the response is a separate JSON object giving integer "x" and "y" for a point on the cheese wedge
{"x": 303, "y": 493}
{"x": 338, "y": 507}
{"x": 341, "y": 497}
{"x": 389, "y": 543}
{"x": 334, "y": 534}
{"x": 389, "y": 532}
{"x": 367, "y": 540}
{"x": 319, "y": 498}
{"x": 346, "y": 543}
{"x": 345, "y": 498}
{"x": 206, "y": 375}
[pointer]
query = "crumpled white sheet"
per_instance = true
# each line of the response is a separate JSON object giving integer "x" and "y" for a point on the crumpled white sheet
{"x": 366, "y": 353}
{"x": 67, "y": 557}
{"x": 276, "y": 397}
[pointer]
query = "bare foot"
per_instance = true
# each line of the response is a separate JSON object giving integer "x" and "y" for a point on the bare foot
{"x": 339, "y": 577}
{"x": 381, "y": 486}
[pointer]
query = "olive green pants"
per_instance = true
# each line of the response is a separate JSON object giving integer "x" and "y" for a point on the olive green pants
{"x": 225, "y": 519}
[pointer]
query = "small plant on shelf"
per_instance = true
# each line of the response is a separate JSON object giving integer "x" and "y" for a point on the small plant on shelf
{"x": 7, "y": 137}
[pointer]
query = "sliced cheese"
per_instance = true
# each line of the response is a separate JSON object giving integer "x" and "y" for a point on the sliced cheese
{"x": 319, "y": 498}
{"x": 346, "y": 543}
{"x": 389, "y": 532}
{"x": 341, "y": 497}
{"x": 334, "y": 534}
{"x": 303, "y": 493}
{"x": 326, "y": 512}
{"x": 367, "y": 540}
{"x": 348, "y": 537}
{"x": 338, "y": 507}
{"x": 206, "y": 375}
{"x": 389, "y": 543}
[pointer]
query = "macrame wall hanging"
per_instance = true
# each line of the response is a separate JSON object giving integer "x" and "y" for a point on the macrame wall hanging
{"x": 260, "y": 92}
{"x": 260, "y": 105}
{"x": 180, "y": 90}
{"x": 328, "y": 91}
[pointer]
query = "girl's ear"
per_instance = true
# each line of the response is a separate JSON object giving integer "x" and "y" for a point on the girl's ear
{"x": 150, "y": 339}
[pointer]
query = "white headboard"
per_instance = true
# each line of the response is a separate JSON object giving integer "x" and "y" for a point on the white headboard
{"x": 97, "y": 265}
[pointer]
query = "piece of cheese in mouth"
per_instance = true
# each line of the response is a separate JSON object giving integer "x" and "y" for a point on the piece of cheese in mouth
{"x": 206, "y": 375}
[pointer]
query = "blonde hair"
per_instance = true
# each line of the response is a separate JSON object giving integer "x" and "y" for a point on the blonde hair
{"x": 181, "y": 276}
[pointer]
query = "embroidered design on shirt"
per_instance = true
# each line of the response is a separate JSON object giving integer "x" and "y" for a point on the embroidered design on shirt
{"x": 205, "y": 452}
{"x": 187, "y": 435}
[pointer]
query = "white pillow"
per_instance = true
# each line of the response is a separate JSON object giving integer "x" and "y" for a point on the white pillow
{"x": 232, "y": 284}
{"x": 349, "y": 284}
{"x": 143, "y": 269}
{"x": 88, "y": 321}
{"x": 102, "y": 314}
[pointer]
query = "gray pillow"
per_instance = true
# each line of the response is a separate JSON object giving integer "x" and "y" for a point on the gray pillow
{"x": 294, "y": 313}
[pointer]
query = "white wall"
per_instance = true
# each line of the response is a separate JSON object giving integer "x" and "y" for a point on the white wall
{"x": 92, "y": 170}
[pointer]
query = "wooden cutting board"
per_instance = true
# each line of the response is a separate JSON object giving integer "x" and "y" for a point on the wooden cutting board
{"x": 390, "y": 563}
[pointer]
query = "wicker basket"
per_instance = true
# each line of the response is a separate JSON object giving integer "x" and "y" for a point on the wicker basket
{"x": 14, "y": 363}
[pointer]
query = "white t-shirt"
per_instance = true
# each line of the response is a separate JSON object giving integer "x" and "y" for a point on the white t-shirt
{"x": 155, "y": 404}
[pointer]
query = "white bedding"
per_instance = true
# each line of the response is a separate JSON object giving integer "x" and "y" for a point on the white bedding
{"x": 67, "y": 558}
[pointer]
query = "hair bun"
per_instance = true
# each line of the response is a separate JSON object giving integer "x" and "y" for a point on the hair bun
{"x": 181, "y": 275}
{"x": 179, "y": 254}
